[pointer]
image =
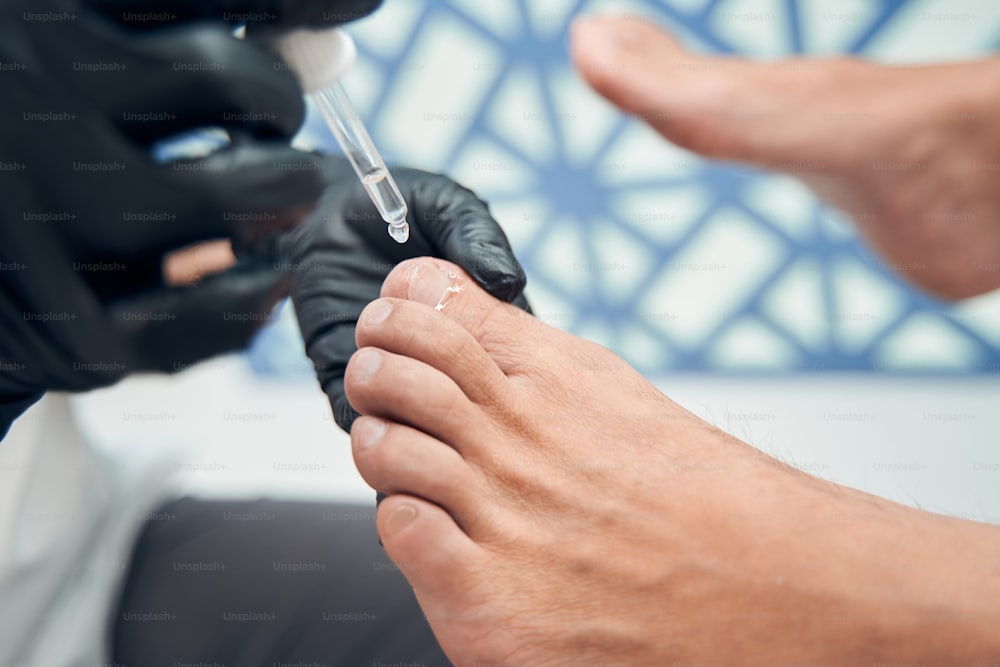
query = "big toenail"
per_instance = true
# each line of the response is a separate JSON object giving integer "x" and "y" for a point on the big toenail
{"x": 431, "y": 285}
{"x": 370, "y": 431}
{"x": 377, "y": 312}
{"x": 400, "y": 518}
{"x": 601, "y": 35}
{"x": 367, "y": 363}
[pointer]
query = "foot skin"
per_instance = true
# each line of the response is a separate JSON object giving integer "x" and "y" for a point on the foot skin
{"x": 551, "y": 507}
{"x": 912, "y": 154}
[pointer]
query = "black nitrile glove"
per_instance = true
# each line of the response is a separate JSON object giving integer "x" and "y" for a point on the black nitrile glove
{"x": 341, "y": 255}
{"x": 86, "y": 215}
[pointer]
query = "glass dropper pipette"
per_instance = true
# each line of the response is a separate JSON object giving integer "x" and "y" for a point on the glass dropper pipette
{"x": 319, "y": 58}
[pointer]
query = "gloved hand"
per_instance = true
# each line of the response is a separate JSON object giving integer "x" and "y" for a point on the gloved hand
{"x": 86, "y": 214}
{"x": 341, "y": 255}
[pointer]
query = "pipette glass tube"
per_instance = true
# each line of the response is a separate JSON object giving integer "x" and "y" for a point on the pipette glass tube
{"x": 359, "y": 149}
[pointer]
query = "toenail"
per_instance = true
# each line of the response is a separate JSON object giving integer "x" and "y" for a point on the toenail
{"x": 370, "y": 431}
{"x": 366, "y": 364}
{"x": 600, "y": 35}
{"x": 377, "y": 312}
{"x": 400, "y": 518}
{"x": 431, "y": 284}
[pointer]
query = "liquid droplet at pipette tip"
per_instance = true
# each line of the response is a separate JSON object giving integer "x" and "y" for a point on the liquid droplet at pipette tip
{"x": 400, "y": 233}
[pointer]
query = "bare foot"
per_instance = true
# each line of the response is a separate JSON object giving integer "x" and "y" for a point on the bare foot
{"x": 913, "y": 154}
{"x": 551, "y": 507}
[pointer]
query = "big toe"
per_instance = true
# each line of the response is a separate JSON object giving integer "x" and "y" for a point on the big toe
{"x": 504, "y": 331}
{"x": 644, "y": 71}
{"x": 621, "y": 57}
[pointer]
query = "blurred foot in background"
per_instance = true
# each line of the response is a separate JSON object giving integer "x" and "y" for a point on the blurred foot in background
{"x": 911, "y": 153}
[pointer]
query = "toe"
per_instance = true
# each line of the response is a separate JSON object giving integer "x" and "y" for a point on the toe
{"x": 394, "y": 458}
{"x": 393, "y": 387}
{"x": 502, "y": 330}
{"x": 427, "y": 545}
{"x": 417, "y": 331}
{"x": 618, "y": 56}
{"x": 644, "y": 71}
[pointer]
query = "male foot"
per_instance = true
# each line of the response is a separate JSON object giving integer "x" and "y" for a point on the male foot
{"x": 551, "y": 507}
{"x": 913, "y": 154}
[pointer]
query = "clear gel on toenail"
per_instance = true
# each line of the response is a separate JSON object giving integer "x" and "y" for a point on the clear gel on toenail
{"x": 431, "y": 284}
{"x": 454, "y": 289}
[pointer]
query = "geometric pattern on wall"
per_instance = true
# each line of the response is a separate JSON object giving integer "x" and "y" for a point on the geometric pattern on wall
{"x": 676, "y": 263}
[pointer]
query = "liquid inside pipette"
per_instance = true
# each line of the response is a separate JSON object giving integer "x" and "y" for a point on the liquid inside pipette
{"x": 357, "y": 145}
{"x": 319, "y": 58}
{"x": 390, "y": 205}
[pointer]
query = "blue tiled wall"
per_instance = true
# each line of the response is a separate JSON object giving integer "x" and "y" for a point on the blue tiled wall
{"x": 674, "y": 262}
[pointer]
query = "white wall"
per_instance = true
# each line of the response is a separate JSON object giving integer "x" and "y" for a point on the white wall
{"x": 933, "y": 443}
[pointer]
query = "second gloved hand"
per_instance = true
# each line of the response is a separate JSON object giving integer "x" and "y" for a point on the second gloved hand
{"x": 87, "y": 214}
{"x": 341, "y": 255}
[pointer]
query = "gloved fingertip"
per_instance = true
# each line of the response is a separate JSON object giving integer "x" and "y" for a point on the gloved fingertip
{"x": 496, "y": 269}
{"x": 263, "y": 178}
{"x": 507, "y": 287}
{"x": 343, "y": 413}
